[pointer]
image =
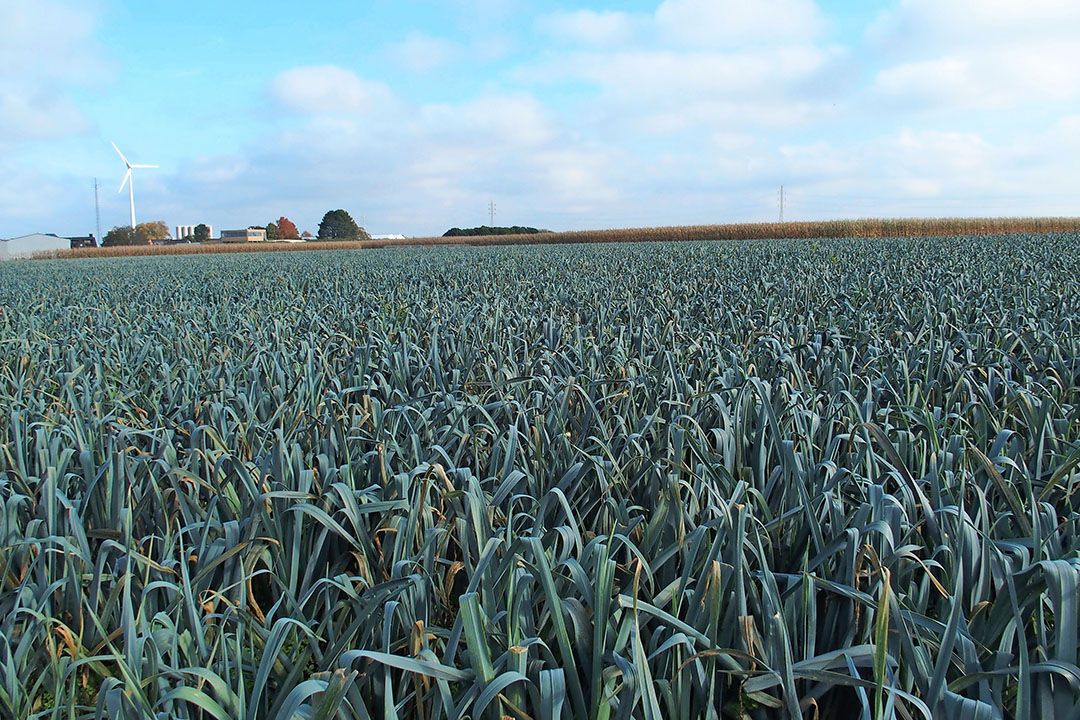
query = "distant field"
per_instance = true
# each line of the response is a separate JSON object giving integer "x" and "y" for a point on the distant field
{"x": 868, "y": 228}
{"x": 745, "y": 480}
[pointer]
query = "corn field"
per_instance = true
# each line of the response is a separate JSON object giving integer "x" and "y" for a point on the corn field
{"x": 776, "y": 479}
{"x": 859, "y": 228}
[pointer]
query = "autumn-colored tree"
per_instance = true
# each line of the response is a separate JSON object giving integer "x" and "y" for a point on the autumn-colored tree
{"x": 148, "y": 233}
{"x": 307, "y": 236}
{"x": 287, "y": 229}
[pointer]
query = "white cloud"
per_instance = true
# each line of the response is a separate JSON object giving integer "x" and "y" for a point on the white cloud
{"x": 328, "y": 90}
{"x": 422, "y": 53}
{"x": 664, "y": 91}
{"x": 48, "y": 38}
{"x": 727, "y": 23}
{"x": 817, "y": 160}
{"x": 26, "y": 193}
{"x": 972, "y": 21}
{"x": 701, "y": 66}
{"x": 938, "y": 80}
{"x": 218, "y": 170}
{"x": 934, "y": 152}
{"x": 955, "y": 54}
{"x": 415, "y": 168}
{"x": 688, "y": 77}
{"x": 589, "y": 27}
{"x": 1004, "y": 78}
{"x": 927, "y": 172}
{"x": 37, "y": 113}
{"x": 694, "y": 112}
{"x": 502, "y": 120}
{"x": 46, "y": 49}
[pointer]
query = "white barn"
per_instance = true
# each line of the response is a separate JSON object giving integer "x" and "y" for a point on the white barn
{"x": 28, "y": 245}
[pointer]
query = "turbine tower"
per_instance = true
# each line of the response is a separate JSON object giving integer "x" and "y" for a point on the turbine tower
{"x": 129, "y": 180}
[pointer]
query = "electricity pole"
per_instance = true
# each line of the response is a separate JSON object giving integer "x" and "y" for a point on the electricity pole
{"x": 491, "y": 212}
{"x": 97, "y": 211}
{"x": 781, "y": 203}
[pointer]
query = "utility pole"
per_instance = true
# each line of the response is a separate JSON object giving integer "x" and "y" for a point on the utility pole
{"x": 781, "y": 203}
{"x": 491, "y": 212}
{"x": 97, "y": 212}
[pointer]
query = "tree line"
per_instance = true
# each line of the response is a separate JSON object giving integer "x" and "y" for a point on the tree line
{"x": 335, "y": 225}
{"x": 485, "y": 230}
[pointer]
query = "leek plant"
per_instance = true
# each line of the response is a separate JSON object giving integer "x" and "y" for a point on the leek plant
{"x": 820, "y": 479}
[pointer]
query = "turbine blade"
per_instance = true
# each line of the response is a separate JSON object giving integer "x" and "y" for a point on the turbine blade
{"x": 124, "y": 182}
{"x": 121, "y": 155}
{"x": 145, "y": 166}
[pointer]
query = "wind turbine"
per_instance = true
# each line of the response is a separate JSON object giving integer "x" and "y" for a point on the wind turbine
{"x": 129, "y": 180}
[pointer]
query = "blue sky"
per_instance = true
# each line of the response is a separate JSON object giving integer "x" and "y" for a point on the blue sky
{"x": 413, "y": 114}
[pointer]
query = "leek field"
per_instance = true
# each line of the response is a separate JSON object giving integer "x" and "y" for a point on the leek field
{"x": 765, "y": 479}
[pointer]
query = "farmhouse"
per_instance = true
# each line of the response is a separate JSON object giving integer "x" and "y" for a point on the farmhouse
{"x": 28, "y": 245}
{"x": 239, "y": 236}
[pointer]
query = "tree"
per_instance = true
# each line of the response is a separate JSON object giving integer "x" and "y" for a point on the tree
{"x": 339, "y": 225}
{"x": 485, "y": 230}
{"x": 272, "y": 232}
{"x": 202, "y": 233}
{"x": 148, "y": 233}
{"x": 121, "y": 235}
{"x": 306, "y": 236}
{"x": 287, "y": 229}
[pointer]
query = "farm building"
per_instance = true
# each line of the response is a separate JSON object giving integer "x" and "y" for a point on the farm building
{"x": 249, "y": 235}
{"x": 28, "y": 245}
{"x": 184, "y": 231}
{"x": 86, "y": 241}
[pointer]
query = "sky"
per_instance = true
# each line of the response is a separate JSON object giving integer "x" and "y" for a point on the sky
{"x": 414, "y": 115}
